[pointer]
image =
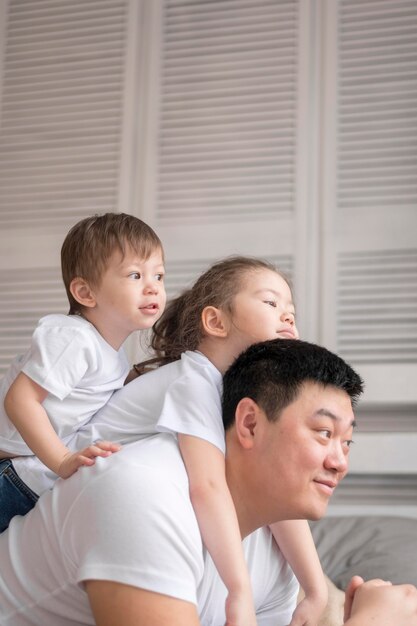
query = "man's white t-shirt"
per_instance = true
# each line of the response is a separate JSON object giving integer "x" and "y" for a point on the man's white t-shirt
{"x": 128, "y": 519}
{"x": 70, "y": 360}
{"x": 182, "y": 397}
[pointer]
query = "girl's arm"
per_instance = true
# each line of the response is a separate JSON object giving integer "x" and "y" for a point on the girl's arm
{"x": 23, "y": 405}
{"x": 217, "y": 519}
{"x": 296, "y": 544}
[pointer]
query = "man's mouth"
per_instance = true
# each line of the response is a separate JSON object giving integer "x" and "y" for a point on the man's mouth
{"x": 327, "y": 486}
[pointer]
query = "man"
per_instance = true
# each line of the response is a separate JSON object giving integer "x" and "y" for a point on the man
{"x": 119, "y": 543}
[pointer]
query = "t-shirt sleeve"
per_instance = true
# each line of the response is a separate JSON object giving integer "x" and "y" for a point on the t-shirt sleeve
{"x": 192, "y": 407}
{"x": 59, "y": 358}
{"x": 275, "y": 588}
{"x": 147, "y": 537}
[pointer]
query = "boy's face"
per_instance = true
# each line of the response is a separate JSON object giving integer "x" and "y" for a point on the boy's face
{"x": 131, "y": 295}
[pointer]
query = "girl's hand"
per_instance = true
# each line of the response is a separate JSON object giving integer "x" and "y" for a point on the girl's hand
{"x": 308, "y": 612}
{"x": 240, "y": 610}
{"x": 73, "y": 460}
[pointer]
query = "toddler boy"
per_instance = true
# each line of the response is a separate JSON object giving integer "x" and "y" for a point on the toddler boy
{"x": 112, "y": 268}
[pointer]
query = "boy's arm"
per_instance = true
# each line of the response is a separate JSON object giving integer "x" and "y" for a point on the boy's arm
{"x": 23, "y": 405}
{"x": 217, "y": 519}
{"x": 296, "y": 544}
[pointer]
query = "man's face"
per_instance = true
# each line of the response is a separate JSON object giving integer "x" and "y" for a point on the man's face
{"x": 304, "y": 454}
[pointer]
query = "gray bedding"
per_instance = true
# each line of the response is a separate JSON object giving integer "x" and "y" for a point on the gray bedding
{"x": 371, "y": 546}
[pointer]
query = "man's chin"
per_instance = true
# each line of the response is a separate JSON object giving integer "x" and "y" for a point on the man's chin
{"x": 318, "y": 512}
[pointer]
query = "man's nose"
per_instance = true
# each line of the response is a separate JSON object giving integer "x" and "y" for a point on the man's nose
{"x": 337, "y": 458}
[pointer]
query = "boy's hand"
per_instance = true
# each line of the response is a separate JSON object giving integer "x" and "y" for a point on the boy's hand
{"x": 240, "y": 610}
{"x": 73, "y": 460}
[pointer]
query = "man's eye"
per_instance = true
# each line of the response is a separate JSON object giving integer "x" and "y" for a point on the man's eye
{"x": 271, "y": 303}
{"x": 326, "y": 433}
{"x": 348, "y": 443}
{"x": 134, "y": 276}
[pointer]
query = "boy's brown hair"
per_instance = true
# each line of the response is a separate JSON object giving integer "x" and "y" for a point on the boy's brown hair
{"x": 89, "y": 245}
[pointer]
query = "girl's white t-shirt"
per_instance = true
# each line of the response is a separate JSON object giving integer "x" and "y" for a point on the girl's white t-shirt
{"x": 182, "y": 397}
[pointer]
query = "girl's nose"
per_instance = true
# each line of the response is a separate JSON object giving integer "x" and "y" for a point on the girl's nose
{"x": 288, "y": 318}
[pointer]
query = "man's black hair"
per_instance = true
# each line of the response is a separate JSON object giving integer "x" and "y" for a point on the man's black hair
{"x": 272, "y": 372}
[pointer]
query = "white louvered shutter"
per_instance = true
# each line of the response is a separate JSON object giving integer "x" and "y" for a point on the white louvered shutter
{"x": 226, "y": 138}
{"x": 370, "y": 315}
{"x": 61, "y": 139}
{"x": 370, "y": 253}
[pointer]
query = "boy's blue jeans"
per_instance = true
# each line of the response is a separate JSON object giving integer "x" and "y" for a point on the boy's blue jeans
{"x": 16, "y": 498}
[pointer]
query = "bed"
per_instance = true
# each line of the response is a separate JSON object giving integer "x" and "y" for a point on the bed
{"x": 370, "y": 546}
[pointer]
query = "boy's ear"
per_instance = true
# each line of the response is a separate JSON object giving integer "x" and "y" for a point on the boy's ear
{"x": 246, "y": 422}
{"x": 215, "y": 322}
{"x": 82, "y": 292}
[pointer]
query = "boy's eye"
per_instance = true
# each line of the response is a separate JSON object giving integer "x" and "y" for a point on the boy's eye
{"x": 135, "y": 275}
{"x": 271, "y": 303}
{"x": 159, "y": 277}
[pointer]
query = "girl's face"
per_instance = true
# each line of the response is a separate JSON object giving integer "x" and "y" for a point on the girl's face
{"x": 262, "y": 310}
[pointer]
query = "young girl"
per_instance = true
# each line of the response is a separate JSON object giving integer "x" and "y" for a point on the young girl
{"x": 235, "y": 303}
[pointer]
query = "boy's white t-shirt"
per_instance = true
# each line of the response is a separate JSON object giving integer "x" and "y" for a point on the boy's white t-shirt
{"x": 70, "y": 360}
{"x": 181, "y": 397}
{"x": 128, "y": 519}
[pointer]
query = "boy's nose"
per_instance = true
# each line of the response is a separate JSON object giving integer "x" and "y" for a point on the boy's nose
{"x": 151, "y": 287}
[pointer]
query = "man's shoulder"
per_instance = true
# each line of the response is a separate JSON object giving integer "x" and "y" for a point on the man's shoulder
{"x": 155, "y": 459}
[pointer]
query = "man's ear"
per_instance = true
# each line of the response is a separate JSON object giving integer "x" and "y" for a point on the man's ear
{"x": 246, "y": 422}
{"x": 214, "y": 321}
{"x": 82, "y": 292}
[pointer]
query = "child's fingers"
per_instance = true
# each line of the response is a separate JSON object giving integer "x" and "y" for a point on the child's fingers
{"x": 100, "y": 449}
{"x": 86, "y": 457}
{"x": 84, "y": 460}
{"x": 108, "y": 445}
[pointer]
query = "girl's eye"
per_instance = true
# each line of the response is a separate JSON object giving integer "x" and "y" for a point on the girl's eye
{"x": 135, "y": 276}
{"x": 271, "y": 303}
{"x": 159, "y": 277}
